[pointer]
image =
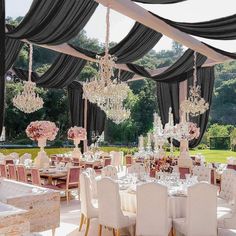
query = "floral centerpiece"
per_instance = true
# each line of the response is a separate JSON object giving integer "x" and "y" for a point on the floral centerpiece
{"x": 77, "y": 134}
{"x": 186, "y": 131}
{"x": 41, "y": 131}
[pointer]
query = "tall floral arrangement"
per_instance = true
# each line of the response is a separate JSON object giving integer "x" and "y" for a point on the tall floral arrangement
{"x": 77, "y": 133}
{"x": 41, "y": 130}
{"x": 187, "y": 130}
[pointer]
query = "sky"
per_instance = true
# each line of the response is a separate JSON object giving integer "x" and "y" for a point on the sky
{"x": 188, "y": 11}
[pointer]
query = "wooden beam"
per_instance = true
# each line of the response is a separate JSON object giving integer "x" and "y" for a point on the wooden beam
{"x": 141, "y": 15}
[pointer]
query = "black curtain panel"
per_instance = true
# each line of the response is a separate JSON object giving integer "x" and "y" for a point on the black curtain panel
{"x": 2, "y": 63}
{"x": 13, "y": 47}
{"x": 139, "y": 41}
{"x": 168, "y": 96}
{"x": 158, "y": 1}
{"x": 222, "y": 29}
{"x": 54, "y": 21}
{"x": 95, "y": 116}
{"x": 62, "y": 72}
{"x": 178, "y": 72}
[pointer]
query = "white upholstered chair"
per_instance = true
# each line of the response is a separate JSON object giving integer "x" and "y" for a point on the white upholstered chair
{"x": 109, "y": 204}
{"x": 152, "y": 211}
{"x": 136, "y": 168}
{"x": 228, "y": 182}
{"x": 117, "y": 159}
{"x": 110, "y": 171}
{"x": 201, "y": 215}
{"x": 93, "y": 183}
{"x": 203, "y": 173}
{"x": 89, "y": 209}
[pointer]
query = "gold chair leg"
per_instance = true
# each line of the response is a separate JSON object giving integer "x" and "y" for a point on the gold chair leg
{"x": 81, "y": 221}
{"x": 87, "y": 227}
{"x": 173, "y": 232}
{"x": 114, "y": 232}
{"x": 67, "y": 197}
{"x": 117, "y": 232}
{"x": 100, "y": 230}
{"x": 53, "y": 232}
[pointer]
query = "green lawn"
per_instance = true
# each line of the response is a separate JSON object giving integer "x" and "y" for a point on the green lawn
{"x": 210, "y": 155}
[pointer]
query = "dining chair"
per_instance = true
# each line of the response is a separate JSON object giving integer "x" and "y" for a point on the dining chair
{"x": 228, "y": 189}
{"x": 106, "y": 161}
{"x": 231, "y": 166}
{"x": 12, "y": 171}
{"x": 53, "y": 159}
{"x": 3, "y": 170}
{"x": 89, "y": 209}
{"x": 203, "y": 173}
{"x": 93, "y": 182}
{"x": 201, "y": 212}
{"x": 136, "y": 168}
{"x": 110, "y": 171}
{"x": 9, "y": 161}
{"x": 155, "y": 209}
{"x": 21, "y": 173}
{"x": 110, "y": 214}
{"x": 117, "y": 159}
{"x": 183, "y": 171}
{"x": 35, "y": 177}
{"x": 71, "y": 183}
{"x": 128, "y": 160}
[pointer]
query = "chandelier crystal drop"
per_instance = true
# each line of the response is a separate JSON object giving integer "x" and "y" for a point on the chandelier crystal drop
{"x": 195, "y": 105}
{"x": 108, "y": 93}
{"x": 28, "y": 100}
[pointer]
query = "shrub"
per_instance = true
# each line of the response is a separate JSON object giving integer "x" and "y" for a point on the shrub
{"x": 221, "y": 143}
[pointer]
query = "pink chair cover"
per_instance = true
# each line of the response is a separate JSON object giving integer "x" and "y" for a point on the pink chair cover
{"x": 183, "y": 171}
{"x": 107, "y": 161}
{"x": 12, "y": 171}
{"x": 35, "y": 177}
{"x": 3, "y": 171}
{"x": 128, "y": 160}
{"x": 21, "y": 173}
{"x": 9, "y": 162}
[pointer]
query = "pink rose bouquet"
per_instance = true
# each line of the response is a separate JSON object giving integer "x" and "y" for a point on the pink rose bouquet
{"x": 41, "y": 130}
{"x": 77, "y": 133}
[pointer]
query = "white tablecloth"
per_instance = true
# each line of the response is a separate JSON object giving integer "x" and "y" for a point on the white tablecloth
{"x": 177, "y": 204}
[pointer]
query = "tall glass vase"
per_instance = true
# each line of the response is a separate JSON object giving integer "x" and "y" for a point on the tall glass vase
{"x": 42, "y": 160}
{"x": 76, "y": 152}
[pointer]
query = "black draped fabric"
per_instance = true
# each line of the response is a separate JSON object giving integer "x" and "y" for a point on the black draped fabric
{"x": 222, "y": 28}
{"x": 13, "y": 47}
{"x": 2, "y": 62}
{"x": 126, "y": 75}
{"x": 54, "y": 21}
{"x": 95, "y": 116}
{"x": 62, "y": 72}
{"x": 228, "y": 54}
{"x": 179, "y": 71}
{"x": 139, "y": 41}
{"x": 168, "y": 96}
{"x": 159, "y": 1}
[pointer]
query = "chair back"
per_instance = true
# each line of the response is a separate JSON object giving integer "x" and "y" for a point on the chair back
{"x": 231, "y": 166}
{"x": 203, "y": 173}
{"x": 183, "y": 171}
{"x": 35, "y": 177}
{"x": 21, "y": 173}
{"x": 116, "y": 158}
{"x": 201, "y": 215}
{"x": 93, "y": 183}
{"x": 110, "y": 171}
{"x": 154, "y": 209}
{"x": 136, "y": 168}
{"x": 12, "y": 171}
{"x": 128, "y": 160}
{"x": 106, "y": 161}
{"x": 73, "y": 176}
{"x": 228, "y": 182}
{"x": 86, "y": 197}
{"x": 3, "y": 170}
{"x": 9, "y": 161}
{"x": 109, "y": 203}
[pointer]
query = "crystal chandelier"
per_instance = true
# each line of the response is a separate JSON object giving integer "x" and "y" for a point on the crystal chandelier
{"x": 28, "y": 100}
{"x": 195, "y": 105}
{"x": 108, "y": 94}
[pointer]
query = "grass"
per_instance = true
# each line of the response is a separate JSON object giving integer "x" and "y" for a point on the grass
{"x": 210, "y": 155}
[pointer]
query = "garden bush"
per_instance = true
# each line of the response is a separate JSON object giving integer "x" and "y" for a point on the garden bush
{"x": 220, "y": 143}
